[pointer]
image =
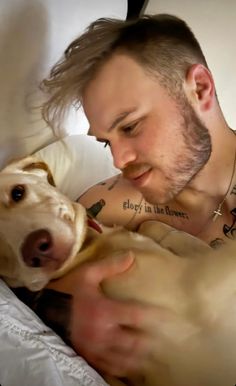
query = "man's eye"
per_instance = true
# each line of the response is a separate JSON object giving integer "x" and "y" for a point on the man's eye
{"x": 129, "y": 129}
{"x": 106, "y": 143}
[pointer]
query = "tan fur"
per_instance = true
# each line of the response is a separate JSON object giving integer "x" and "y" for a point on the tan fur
{"x": 173, "y": 272}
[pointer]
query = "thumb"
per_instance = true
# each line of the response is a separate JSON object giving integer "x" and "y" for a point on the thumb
{"x": 109, "y": 266}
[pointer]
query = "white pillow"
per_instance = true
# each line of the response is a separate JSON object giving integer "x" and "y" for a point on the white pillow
{"x": 77, "y": 163}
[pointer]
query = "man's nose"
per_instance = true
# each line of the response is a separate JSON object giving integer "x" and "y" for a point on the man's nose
{"x": 123, "y": 154}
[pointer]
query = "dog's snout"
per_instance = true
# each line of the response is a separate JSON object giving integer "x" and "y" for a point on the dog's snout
{"x": 37, "y": 249}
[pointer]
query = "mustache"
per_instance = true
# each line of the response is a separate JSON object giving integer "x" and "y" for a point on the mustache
{"x": 135, "y": 170}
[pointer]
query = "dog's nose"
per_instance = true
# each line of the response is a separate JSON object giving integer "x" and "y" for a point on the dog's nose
{"x": 37, "y": 249}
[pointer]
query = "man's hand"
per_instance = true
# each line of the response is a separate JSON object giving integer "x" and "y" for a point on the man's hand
{"x": 196, "y": 331}
{"x": 183, "y": 318}
{"x": 105, "y": 331}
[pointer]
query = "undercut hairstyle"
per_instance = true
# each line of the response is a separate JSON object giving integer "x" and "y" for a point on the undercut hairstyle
{"x": 162, "y": 44}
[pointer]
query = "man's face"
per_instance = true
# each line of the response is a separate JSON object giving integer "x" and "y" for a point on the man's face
{"x": 156, "y": 140}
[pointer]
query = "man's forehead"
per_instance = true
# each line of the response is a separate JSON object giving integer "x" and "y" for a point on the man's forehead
{"x": 118, "y": 89}
{"x": 116, "y": 120}
{"x": 117, "y": 73}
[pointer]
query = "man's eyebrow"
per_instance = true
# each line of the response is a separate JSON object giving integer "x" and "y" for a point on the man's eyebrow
{"x": 117, "y": 120}
{"x": 120, "y": 118}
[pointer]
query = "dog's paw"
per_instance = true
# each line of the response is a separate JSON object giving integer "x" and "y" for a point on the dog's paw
{"x": 178, "y": 242}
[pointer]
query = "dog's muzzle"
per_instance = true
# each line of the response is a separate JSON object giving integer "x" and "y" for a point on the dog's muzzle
{"x": 40, "y": 250}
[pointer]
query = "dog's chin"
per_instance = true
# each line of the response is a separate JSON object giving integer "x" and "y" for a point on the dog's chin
{"x": 34, "y": 282}
{"x": 37, "y": 283}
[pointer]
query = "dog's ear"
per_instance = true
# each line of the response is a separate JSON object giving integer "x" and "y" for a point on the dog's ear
{"x": 39, "y": 167}
{"x": 31, "y": 165}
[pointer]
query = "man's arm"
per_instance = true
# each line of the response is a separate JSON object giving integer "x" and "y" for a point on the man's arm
{"x": 116, "y": 202}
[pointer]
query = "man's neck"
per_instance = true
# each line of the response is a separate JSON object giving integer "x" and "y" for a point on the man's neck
{"x": 215, "y": 180}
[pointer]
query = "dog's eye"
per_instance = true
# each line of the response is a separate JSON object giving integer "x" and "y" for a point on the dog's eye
{"x": 18, "y": 193}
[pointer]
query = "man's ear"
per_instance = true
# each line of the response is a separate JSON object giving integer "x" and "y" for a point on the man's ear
{"x": 30, "y": 165}
{"x": 200, "y": 87}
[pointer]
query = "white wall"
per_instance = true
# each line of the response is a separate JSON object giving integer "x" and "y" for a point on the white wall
{"x": 33, "y": 36}
{"x": 214, "y": 24}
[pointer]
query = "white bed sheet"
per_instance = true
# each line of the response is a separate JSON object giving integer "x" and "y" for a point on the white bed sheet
{"x": 31, "y": 354}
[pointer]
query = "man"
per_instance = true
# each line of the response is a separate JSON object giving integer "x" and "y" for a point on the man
{"x": 148, "y": 93}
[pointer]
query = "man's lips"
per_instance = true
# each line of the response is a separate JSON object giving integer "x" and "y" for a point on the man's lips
{"x": 137, "y": 177}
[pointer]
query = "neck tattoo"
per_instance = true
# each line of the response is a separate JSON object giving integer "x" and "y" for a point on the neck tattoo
{"x": 218, "y": 211}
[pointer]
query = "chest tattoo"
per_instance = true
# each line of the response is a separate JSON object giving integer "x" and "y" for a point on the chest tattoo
{"x": 230, "y": 230}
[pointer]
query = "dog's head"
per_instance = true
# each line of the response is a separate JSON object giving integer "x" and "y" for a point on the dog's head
{"x": 40, "y": 229}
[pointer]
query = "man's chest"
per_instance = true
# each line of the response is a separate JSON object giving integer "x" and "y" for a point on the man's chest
{"x": 213, "y": 230}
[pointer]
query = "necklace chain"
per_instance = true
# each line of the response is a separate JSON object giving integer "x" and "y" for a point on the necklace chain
{"x": 218, "y": 212}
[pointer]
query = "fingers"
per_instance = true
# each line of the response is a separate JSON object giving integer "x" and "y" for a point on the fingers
{"x": 117, "y": 365}
{"x": 106, "y": 333}
{"x": 123, "y": 353}
{"x": 95, "y": 272}
{"x": 133, "y": 315}
{"x": 95, "y": 315}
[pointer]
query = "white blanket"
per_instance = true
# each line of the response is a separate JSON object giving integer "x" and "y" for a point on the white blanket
{"x": 31, "y": 354}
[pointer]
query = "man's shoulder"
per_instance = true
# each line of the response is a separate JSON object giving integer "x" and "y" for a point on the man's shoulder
{"x": 116, "y": 202}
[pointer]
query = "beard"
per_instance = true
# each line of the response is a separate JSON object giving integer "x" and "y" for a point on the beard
{"x": 197, "y": 147}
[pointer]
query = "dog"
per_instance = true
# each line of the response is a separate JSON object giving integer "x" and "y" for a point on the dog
{"x": 43, "y": 236}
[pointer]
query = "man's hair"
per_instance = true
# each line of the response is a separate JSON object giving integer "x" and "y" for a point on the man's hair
{"x": 162, "y": 44}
